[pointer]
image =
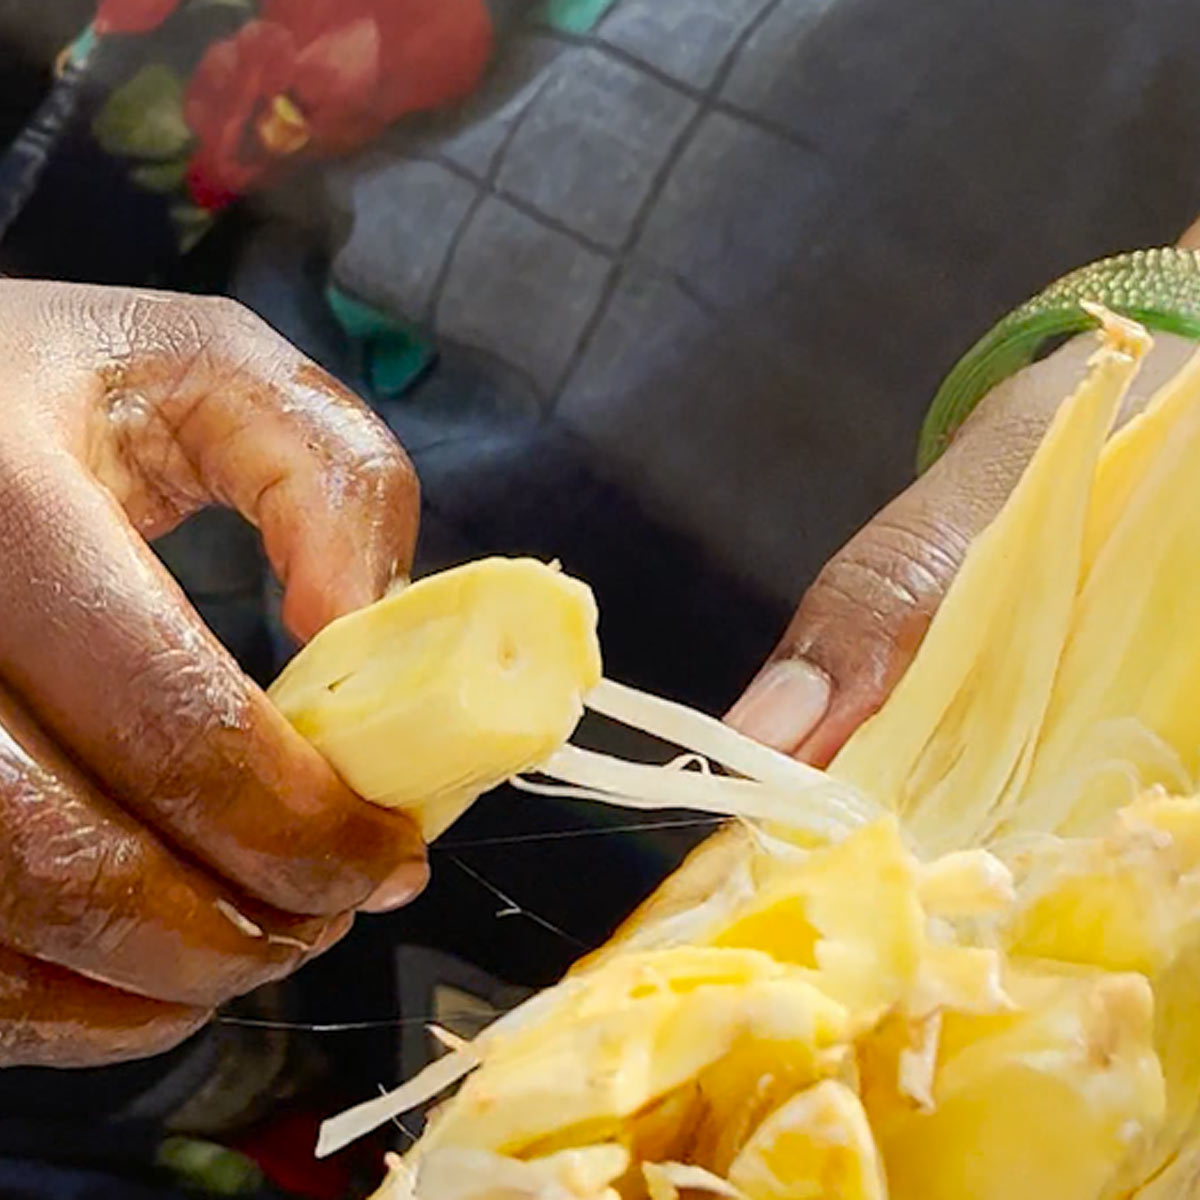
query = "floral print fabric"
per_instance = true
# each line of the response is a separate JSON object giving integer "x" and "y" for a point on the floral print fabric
{"x": 204, "y": 101}
{"x": 282, "y": 82}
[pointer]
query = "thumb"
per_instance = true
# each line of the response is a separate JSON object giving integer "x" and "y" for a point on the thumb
{"x": 860, "y": 624}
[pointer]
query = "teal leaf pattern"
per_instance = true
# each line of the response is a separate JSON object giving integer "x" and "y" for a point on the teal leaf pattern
{"x": 395, "y": 355}
{"x": 574, "y": 16}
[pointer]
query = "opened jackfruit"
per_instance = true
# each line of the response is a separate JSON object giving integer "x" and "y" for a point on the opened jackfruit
{"x": 964, "y": 964}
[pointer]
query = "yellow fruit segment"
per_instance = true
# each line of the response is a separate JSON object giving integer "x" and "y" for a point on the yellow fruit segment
{"x": 1126, "y": 901}
{"x": 434, "y": 695}
{"x": 612, "y": 1043}
{"x": 863, "y": 943}
{"x": 1129, "y": 900}
{"x": 1047, "y": 1102}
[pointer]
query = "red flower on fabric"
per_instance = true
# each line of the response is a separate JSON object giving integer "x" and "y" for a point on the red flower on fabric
{"x": 321, "y": 77}
{"x": 132, "y": 16}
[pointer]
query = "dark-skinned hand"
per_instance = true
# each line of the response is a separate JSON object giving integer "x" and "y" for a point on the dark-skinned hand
{"x": 169, "y": 840}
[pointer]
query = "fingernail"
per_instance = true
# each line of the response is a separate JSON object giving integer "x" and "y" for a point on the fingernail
{"x": 404, "y": 885}
{"x": 783, "y": 705}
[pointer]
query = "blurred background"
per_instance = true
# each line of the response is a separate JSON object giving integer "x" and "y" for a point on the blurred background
{"x": 660, "y": 288}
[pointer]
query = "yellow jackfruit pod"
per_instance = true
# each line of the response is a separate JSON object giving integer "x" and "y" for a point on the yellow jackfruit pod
{"x": 729, "y": 1061}
{"x": 1050, "y": 1100}
{"x": 436, "y": 694}
{"x": 1128, "y": 900}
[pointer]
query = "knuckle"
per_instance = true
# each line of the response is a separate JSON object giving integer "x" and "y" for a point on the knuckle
{"x": 139, "y": 325}
{"x": 837, "y": 614}
{"x": 220, "y": 309}
{"x": 892, "y": 573}
{"x": 185, "y": 704}
{"x": 179, "y": 333}
{"x": 898, "y": 567}
{"x": 884, "y": 584}
{"x": 855, "y": 590}
{"x": 929, "y": 547}
{"x": 236, "y": 336}
{"x": 223, "y": 316}
{"x": 388, "y": 476}
{"x": 869, "y": 606}
{"x": 70, "y": 883}
{"x": 867, "y": 611}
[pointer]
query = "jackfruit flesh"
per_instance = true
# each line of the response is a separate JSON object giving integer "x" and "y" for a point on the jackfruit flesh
{"x": 443, "y": 690}
{"x": 817, "y": 1144}
{"x": 977, "y": 1064}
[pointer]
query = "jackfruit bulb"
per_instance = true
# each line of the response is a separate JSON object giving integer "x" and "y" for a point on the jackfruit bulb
{"x": 441, "y": 691}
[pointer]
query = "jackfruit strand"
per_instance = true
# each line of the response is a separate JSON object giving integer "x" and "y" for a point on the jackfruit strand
{"x": 702, "y": 734}
{"x": 821, "y": 806}
{"x": 952, "y": 746}
{"x": 442, "y": 1073}
{"x": 1107, "y": 769}
{"x": 1134, "y": 647}
{"x": 1127, "y": 457}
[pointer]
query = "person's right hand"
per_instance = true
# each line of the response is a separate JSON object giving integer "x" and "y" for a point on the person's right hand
{"x": 169, "y": 841}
